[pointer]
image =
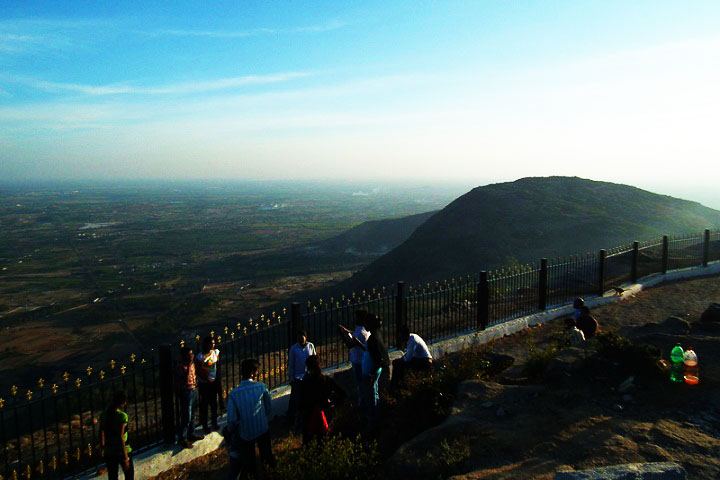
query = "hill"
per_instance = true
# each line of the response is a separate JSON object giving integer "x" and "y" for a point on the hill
{"x": 375, "y": 237}
{"x": 530, "y": 218}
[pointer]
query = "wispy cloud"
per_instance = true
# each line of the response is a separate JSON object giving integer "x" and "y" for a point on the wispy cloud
{"x": 14, "y": 43}
{"x": 171, "y": 89}
{"x": 256, "y": 32}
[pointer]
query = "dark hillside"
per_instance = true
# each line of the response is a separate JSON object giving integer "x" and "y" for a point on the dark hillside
{"x": 375, "y": 237}
{"x": 350, "y": 250}
{"x": 530, "y": 218}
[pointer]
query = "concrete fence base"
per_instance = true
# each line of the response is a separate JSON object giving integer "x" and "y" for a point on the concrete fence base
{"x": 159, "y": 459}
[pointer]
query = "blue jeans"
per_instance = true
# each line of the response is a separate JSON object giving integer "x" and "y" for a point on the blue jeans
{"x": 188, "y": 399}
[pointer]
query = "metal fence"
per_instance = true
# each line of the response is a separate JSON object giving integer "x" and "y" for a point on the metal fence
{"x": 52, "y": 429}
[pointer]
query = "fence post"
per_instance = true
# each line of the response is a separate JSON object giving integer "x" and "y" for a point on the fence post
{"x": 665, "y": 254}
{"x": 167, "y": 405}
{"x": 634, "y": 264}
{"x": 543, "y": 284}
{"x": 295, "y": 323}
{"x": 601, "y": 272}
{"x": 400, "y": 312}
{"x": 482, "y": 297}
{"x": 706, "y": 248}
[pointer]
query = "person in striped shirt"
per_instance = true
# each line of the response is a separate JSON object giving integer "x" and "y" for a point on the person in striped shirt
{"x": 248, "y": 411}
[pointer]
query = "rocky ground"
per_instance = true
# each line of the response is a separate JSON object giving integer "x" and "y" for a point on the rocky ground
{"x": 576, "y": 409}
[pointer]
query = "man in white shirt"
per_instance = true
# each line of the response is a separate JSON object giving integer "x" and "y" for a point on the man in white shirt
{"x": 417, "y": 356}
{"x": 297, "y": 356}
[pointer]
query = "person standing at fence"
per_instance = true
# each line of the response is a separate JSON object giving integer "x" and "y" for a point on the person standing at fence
{"x": 318, "y": 395}
{"x": 417, "y": 356}
{"x": 206, "y": 366}
{"x": 114, "y": 438}
{"x": 297, "y": 356}
{"x": 248, "y": 411}
{"x": 375, "y": 360}
{"x": 186, "y": 391}
{"x": 360, "y": 334}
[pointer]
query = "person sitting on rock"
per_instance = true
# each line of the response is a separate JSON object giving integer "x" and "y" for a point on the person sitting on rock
{"x": 587, "y": 323}
{"x": 578, "y": 304}
{"x": 574, "y": 337}
{"x": 417, "y": 356}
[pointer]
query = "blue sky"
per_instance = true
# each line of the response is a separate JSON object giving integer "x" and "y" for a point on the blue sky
{"x": 445, "y": 90}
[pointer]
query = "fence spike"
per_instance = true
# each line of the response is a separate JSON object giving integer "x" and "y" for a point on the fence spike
{"x": 54, "y": 388}
{"x": 41, "y": 382}
{"x": 29, "y": 395}
{"x": 14, "y": 390}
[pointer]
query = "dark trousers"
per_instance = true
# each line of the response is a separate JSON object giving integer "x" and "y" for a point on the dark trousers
{"x": 113, "y": 463}
{"x": 187, "y": 400}
{"x": 208, "y": 398}
{"x": 294, "y": 399}
{"x": 242, "y": 456}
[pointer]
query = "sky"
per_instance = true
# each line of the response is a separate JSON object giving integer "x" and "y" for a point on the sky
{"x": 403, "y": 90}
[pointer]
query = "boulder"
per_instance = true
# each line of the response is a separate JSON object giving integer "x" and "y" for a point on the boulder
{"x": 671, "y": 326}
{"x": 712, "y": 313}
{"x": 706, "y": 328}
{"x": 629, "y": 471}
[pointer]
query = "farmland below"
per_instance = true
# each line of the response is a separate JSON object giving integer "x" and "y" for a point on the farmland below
{"x": 90, "y": 272}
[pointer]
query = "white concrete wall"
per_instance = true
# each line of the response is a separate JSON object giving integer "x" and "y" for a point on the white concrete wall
{"x": 159, "y": 459}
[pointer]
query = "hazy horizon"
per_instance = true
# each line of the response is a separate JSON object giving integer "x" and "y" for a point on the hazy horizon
{"x": 709, "y": 196}
{"x": 455, "y": 92}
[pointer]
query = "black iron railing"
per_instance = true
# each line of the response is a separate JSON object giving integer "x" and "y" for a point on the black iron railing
{"x": 51, "y": 429}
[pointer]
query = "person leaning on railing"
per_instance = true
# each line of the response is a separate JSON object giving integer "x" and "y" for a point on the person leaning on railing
{"x": 114, "y": 438}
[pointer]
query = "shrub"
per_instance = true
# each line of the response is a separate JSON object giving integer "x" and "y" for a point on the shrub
{"x": 451, "y": 454}
{"x": 337, "y": 458}
{"x": 632, "y": 358}
{"x": 538, "y": 360}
